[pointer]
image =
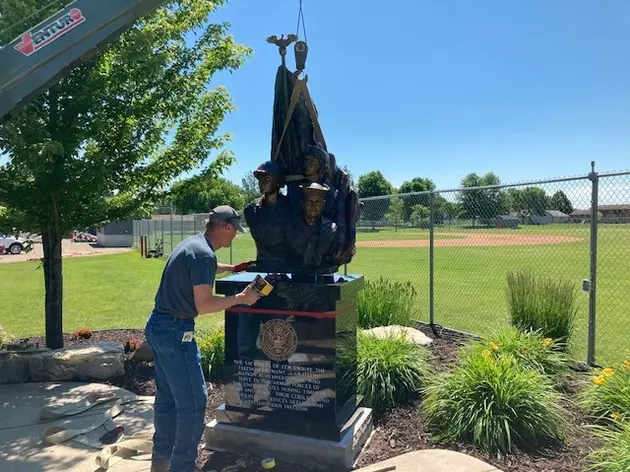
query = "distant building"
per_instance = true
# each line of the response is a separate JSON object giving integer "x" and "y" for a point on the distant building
{"x": 578, "y": 216}
{"x": 612, "y": 214}
{"x": 507, "y": 221}
{"x": 550, "y": 216}
{"x": 119, "y": 234}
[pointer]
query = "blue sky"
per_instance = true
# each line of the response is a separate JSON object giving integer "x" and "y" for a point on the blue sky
{"x": 434, "y": 89}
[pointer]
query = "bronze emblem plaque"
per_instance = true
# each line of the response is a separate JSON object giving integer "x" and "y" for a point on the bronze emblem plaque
{"x": 278, "y": 339}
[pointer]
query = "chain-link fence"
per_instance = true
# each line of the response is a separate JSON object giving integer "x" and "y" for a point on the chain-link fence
{"x": 458, "y": 246}
{"x": 164, "y": 232}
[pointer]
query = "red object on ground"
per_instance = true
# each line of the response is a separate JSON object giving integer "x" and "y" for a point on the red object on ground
{"x": 112, "y": 436}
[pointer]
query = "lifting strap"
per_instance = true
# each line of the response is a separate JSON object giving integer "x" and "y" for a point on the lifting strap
{"x": 300, "y": 86}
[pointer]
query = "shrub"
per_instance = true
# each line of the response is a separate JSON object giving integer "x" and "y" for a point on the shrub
{"x": 386, "y": 302}
{"x": 542, "y": 304}
{"x": 211, "y": 345}
{"x": 607, "y": 397}
{"x": 530, "y": 349}
{"x": 387, "y": 371}
{"x": 132, "y": 345}
{"x": 5, "y": 338}
{"x": 614, "y": 455}
{"x": 496, "y": 404}
{"x": 82, "y": 333}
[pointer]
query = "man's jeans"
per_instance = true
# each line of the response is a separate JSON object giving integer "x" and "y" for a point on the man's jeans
{"x": 181, "y": 395}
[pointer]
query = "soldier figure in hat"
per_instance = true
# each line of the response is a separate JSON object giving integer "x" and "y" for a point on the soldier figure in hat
{"x": 315, "y": 168}
{"x": 313, "y": 236}
{"x": 268, "y": 218}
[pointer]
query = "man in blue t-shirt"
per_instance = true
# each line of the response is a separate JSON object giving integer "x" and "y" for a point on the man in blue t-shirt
{"x": 186, "y": 291}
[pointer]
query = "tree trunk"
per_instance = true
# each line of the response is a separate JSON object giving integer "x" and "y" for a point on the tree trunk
{"x": 54, "y": 293}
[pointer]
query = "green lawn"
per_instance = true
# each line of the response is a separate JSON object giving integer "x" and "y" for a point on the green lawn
{"x": 470, "y": 281}
{"x": 116, "y": 291}
{"x": 100, "y": 292}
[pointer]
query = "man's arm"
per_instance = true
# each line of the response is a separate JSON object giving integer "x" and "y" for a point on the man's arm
{"x": 224, "y": 268}
{"x": 207, "y": 302}
{"x": 233, "y": 268}
{"x": 202, "y": 272}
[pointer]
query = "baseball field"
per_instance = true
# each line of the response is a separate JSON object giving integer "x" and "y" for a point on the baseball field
{"x": 116, "y": 291}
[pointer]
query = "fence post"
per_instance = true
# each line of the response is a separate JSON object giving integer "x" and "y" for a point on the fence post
{"x": 592, "y": 300}
{"x": 431, "y": 260}
{"x": 182, "y": 226}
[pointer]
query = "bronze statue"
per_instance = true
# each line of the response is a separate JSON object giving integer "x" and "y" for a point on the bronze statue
{"x": 342, "y": 203}
{"x": 314, "y": 225}
{"x": 282, "y": 44}
{"x": 268, "y": 218}
{"x": 312, "y": 237}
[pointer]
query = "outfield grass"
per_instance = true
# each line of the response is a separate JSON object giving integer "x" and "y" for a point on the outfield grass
{"x": 100, "y": 292}
{"x": 116, "y": 291}
{"x": 470, "y": 281}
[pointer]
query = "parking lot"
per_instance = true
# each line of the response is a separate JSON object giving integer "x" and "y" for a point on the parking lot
{"x": 68, "y": 248}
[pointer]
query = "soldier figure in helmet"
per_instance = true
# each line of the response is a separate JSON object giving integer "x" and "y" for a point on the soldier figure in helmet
{"x": 268, "y": 218}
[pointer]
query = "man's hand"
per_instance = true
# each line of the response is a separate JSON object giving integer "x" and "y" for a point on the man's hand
{"x": 242, "y": 266}
{"x": 249, "y": 296}
{"x": 224, "y": 268}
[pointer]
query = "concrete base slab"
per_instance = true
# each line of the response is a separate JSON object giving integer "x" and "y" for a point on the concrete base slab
{"x": 284, "y": 447}
{"x": 431, "y": 460}
{"x": 21, "y": 431}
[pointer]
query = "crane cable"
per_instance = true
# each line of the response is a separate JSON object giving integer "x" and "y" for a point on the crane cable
{"x": 300, "y": 20}
{"x": 17, "y": 23}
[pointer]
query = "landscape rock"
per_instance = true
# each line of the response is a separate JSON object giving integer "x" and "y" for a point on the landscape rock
{"x": 411, "y": 334}
{"x": 99, "y": 361}
{"x": 13, "y": 369}
{"x": 431, "y": 460}
{"x": 143, "y": 354}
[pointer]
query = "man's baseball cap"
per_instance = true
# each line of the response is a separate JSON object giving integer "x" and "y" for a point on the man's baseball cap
{"x": 228, "y": 214}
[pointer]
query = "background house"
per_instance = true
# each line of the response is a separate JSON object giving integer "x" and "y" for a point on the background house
{"x": 507, "y": 221}
{"x": 617, "y": 214}
{"x": 550, "y": 216}
{"x": 118, "y": 234}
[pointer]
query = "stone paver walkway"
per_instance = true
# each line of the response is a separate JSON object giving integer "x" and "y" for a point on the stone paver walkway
{"x": 21, "y": 431}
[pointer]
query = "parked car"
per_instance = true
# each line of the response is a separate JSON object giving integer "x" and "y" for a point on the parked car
{"x": 83, "y": 237}
{"x": 11, "y": 244}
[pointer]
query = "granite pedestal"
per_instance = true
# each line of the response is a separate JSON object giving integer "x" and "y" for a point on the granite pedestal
{"x": 285, "y": 379}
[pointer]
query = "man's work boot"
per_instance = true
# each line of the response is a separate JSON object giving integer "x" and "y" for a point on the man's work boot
{"x": 163, "y": 466}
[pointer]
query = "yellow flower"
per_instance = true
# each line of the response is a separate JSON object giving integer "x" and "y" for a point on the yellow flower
{"x": 486, "y": 353}
{"x": 547, "y": 341}
{"x": 608, "y": 371}
{"x": 599, "y": 380}
{"x": 615, "y": 416}
{"x": 626, "y": 364}
{"x": 494, "y": 346}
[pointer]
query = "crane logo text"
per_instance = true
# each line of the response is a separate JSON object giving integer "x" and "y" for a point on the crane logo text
{"x": 35, "y": 40}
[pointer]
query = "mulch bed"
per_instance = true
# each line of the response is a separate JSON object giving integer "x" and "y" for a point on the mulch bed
{"x": 396, "y": 432}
